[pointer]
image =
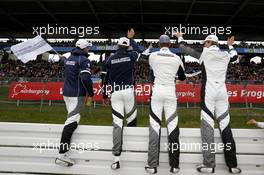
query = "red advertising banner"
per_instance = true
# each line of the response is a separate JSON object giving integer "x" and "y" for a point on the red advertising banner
{"x": 36, "y": 91}
{"x": 188, "y": 93}
{"x": 185, "y": 92}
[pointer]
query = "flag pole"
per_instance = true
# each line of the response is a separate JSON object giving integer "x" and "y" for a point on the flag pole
{"x": 55, "y": 51}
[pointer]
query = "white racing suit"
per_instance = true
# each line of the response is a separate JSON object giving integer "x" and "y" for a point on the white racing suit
{"x": 120, "y": 74}
{"x": 214, "y": 102}
{"x": 123, "y": 102}
{"x": 165, "y": 65}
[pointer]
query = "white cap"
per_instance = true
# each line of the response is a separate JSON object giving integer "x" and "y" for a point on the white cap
{"x": 82, "y": 43}
{"x": 213, "y": 38}
{"x": 123, "y": 41}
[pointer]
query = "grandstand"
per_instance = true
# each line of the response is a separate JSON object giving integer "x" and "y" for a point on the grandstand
{"x": 24, "y": 106}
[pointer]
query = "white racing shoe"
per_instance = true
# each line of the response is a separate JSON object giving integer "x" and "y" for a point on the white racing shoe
{"x": 64, "y": 160}
{"x": 151, "y": 170}
{"x": 115, "y": 165}
{"x": 175, "y": 170}
{"x": 204, "y": 169}
{"x": 235, "y": 170}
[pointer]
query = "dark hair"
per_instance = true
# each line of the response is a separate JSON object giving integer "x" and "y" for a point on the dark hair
{"x": 230, "y": 35}
{"x": 129, "y": 28}
{"x": 213, "y": 43}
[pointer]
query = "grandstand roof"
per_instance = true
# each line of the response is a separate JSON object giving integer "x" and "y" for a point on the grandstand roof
{"x": 149, "y": 17}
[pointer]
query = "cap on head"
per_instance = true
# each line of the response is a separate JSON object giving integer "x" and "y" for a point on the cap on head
{"x": 123, "y": 41}
{"x": 82, "y": 43}
{"x": 164, "y": 39}
{"x": 213, "y": 38}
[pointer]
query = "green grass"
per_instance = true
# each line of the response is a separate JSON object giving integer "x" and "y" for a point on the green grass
{"x": 102, "y": 115}
{"x": 4, "y": 91}
{"x": 56, "y": 113}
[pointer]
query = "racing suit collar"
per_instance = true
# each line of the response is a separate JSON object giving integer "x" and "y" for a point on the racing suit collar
{"x": 121, "y": 50}
{"x": 79, "y": 52}
{"x": 213, "y": 47}
{"x": 164, "y": 49}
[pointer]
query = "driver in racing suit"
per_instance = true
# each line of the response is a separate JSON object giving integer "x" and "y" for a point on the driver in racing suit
{"x": 77, "y": 85}
{"x": 166, "y": 66}
{"x": 214, "y": 100}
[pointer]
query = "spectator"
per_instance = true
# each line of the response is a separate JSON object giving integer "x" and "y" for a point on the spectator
{"x": 254, "y": 122}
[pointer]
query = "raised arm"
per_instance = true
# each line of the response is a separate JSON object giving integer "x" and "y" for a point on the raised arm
{"x": 185, "y": 49}
{"x": 136, "y": 54}
{"x": 133, "y": 44}
{"x": 232, "y": 52}
{"x": 144, "y": 56}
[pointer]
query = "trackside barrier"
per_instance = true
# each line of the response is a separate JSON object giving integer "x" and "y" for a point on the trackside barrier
{"x": 31, "y": 148}
{"x": 186, "y": 93}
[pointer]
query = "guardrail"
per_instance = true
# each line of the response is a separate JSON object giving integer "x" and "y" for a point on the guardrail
{"x": 31, "y": 148}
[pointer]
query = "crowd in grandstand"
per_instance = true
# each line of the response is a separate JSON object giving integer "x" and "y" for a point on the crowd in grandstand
{"x": 44, "y": 70}
{"x": 38, "y": 69}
